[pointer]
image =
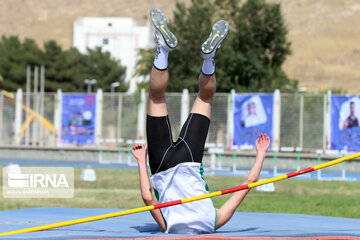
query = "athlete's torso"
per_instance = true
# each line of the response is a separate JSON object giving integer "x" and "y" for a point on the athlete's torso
{"x": 183, "y": 181}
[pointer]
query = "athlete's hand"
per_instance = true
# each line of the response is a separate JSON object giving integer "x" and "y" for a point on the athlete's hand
{"x": 139, "y": 151}
{"x": 262, "y": 143}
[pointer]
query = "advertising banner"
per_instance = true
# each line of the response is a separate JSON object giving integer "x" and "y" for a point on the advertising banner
{"x": 252, "y": 116}
{"x": 78, "y": 119}
{"x": 345, "y": 119}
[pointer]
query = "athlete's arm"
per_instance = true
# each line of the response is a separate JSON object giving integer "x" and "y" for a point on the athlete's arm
{"x": 139, "y": 152}
{"x": 228, "y": 209}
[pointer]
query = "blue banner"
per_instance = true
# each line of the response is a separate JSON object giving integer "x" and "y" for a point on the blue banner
{"x": 345, "y": 120}
{"x": 252, "y": 116}
{"x": 78, "y": 119}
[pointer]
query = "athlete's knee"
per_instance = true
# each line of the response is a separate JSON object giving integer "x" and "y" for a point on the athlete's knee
{"x": 156, "y": 95}
{"x": 158, "y": 85}
{"x": 206, "y": 93}
{"x": 207, "y": 86}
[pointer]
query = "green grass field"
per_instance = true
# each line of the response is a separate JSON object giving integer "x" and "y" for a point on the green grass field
{"x": 120, "y": 189}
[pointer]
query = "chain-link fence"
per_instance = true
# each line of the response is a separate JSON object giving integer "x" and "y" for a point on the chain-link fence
{"x": 313, "y": 122}
{"x": 119, "y": 119}
{"x": 37, "y": 119}
{"x": 7, "y": 107}
{"x": 301, "y": 119}
{"x": 290, "y": 121}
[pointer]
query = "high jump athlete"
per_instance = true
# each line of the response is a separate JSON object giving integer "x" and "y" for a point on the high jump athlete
{"x": 176, "y": 167}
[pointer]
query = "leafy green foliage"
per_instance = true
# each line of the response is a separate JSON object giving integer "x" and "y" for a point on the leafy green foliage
{"x": 14, "y": 56}
{"x": 251, "y": 57}
{"x": 258, "y": 47}
{"x": 63, "y": 69}
{"x": 1, "y": 81}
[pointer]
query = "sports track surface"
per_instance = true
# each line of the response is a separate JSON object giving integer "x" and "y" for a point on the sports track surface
{"x": 246, "y": 226}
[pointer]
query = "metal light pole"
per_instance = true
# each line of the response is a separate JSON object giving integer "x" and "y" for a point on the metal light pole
{"x": 112, "y": 90}
{"x": 36, "y": 106}
{"x": 42, "y": 96}
{"x": 89, "y": 83}
{"x": 28, "y": 86}
{"x": 113, "y": 86}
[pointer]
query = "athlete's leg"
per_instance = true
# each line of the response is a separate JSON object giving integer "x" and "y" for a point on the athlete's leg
{"x": 207, "y": 79}
{"x": 158, "y": 129}
{"x": 195, "y": 129}
{"x": 207, "y": 87}
{"x": 158, "y": 83}
{"x": 159, "y": 74}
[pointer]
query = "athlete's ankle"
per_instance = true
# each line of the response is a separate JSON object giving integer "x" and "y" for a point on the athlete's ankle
{"x": 208, "y": 67}
{"x": 161, "y": 58}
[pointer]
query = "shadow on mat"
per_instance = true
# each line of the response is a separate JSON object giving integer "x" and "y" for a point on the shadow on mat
{"x": 148, "y": 227}
{"x": 154, "y": 228}
{"x": 241, "y": 230}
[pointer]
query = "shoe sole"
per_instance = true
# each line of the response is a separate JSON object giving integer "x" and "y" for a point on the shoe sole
{"x": 159, "y": 21}
{"x": 218, "y": 34}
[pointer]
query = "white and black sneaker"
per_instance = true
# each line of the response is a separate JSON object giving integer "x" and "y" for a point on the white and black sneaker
{"x": 218, "y": 34}
{"x": 164, "y": 36}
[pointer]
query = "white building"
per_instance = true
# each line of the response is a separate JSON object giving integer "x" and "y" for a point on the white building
{"x": 120, "y": 36}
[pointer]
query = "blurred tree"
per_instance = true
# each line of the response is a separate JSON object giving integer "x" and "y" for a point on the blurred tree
{"x": 258, "y": 47}
{"x": 144, "y": 65}
{"x": 250, "y": 58}
{"x": 64, "y": 69}
{"x": 100, "y": 66}
{"x": 68, "y": 70}
{"x": 1, "y": 81}
{"x": 57, "y": 69}
{"x": 14, "y": 57}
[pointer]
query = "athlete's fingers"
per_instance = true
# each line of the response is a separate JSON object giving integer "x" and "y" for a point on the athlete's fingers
{"x": 137, "y": 146}
{"x": 257, "y": 141}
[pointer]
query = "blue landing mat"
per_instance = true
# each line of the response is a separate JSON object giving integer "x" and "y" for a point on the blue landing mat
{"x": 243, "y": 224}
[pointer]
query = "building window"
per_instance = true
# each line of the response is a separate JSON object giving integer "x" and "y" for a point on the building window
{"x": 105, "y": 41}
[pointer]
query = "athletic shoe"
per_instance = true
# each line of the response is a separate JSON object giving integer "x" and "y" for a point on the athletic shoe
{"x": 164, "y": 36}
{"x": 218, "y": 34}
